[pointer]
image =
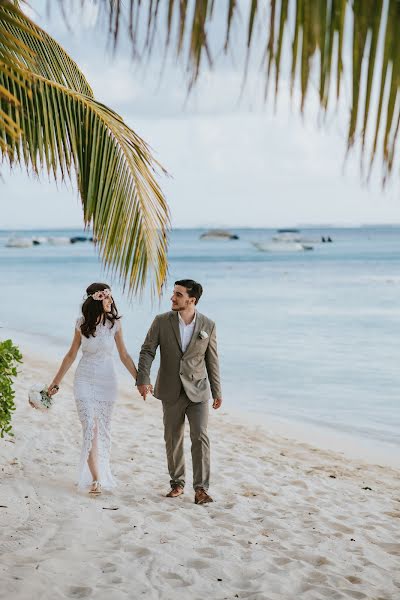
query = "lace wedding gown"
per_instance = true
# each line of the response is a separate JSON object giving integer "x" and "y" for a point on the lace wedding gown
{"x": 95, "y": 391}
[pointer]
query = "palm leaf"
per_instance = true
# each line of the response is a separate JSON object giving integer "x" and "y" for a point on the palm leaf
{"x": 63, "y": 129}
{"x": 30, "y": 47}
{"x": 317, "y": 32}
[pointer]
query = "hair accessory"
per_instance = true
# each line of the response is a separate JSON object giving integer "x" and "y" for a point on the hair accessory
{"x": 101, "y": 295}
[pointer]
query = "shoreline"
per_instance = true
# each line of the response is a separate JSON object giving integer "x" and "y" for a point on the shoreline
{"x": 332, "y": 439}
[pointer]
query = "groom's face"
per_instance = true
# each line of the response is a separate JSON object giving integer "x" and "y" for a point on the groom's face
{"x": 180, "y": 298}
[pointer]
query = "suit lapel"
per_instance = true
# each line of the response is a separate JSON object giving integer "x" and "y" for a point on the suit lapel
{"x": 196, "y": 331}
{"x": 175, "y": 326}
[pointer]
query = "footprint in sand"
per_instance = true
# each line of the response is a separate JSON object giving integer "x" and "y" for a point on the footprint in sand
{"x": 299, "y": 483}
{"x": 79, "y": 592}
{"x": 109, "y": 568}
{"x": 281, "y": 561}
{"x": 207, "y": 552}
{"x": 162, "y": 517}
{"x": 390, "y": 548}
{"x": 138, "y": 551}
{"x": 353, "y": 579}
{"x": 121, "y": 518}
{"x": 198, "y": 564}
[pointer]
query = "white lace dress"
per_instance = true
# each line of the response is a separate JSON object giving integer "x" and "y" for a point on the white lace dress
{"x": 95, "y": 390}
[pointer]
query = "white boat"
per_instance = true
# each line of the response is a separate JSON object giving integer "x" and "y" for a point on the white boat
{"x": 293, "y": 235}
{"x": 19, "y": 242}
{"x": 282, "y": 246}
{"x": 59, "y": 241}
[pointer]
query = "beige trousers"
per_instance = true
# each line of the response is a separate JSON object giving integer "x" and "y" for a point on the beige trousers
{"x": 174, "y": 429}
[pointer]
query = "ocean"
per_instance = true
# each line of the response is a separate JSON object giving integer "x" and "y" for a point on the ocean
{"x": 305, "y": 338}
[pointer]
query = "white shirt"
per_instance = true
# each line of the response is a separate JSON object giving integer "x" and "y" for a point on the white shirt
{"x": 186, "y": 331}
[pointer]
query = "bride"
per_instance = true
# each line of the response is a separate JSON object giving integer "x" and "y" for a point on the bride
{"x": 95, "y": 384}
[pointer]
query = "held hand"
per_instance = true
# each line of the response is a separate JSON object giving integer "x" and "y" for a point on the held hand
{"x": 53, "y": 389}
{"x": 217, "y": 403}
{"x": 145, "y": 389}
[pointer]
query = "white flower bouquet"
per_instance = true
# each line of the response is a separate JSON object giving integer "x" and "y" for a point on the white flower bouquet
{"x": 39, "y": 397}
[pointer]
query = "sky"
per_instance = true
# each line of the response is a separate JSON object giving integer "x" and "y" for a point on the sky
{"x": 233, "y": 159}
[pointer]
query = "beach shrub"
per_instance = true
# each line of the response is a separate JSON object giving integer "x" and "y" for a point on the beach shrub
{"x": 10, "y": 356}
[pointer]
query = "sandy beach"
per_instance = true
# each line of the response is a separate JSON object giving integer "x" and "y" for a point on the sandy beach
{"x": 289, "y": 521}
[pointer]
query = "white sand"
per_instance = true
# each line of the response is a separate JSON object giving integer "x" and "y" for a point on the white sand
{"x": 282, "y": 527}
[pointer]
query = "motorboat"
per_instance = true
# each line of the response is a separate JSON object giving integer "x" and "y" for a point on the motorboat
{"x": 59, "y": 241}
{"x": 80, "y": 238}
{"x": 275, "y": 246}
{"x": 218, "y": 234}
{"x": 19, "y": 242}
{"x": 293, "y": 235}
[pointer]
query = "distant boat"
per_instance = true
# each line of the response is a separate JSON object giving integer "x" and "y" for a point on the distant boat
{"x": 59, "y": 241}
{"x": 275, "y": 246}
{"x": 218, "y": 234}
{"x": 292, "y": 235}
{"x": 19, "y": 242}
{"x": 39, "y": 240}
{"x": 80, "y": 238}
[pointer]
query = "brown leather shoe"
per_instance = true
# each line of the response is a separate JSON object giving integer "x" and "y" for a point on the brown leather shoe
{"x": 201, "y": 496}
{"x": 175, "y": 491}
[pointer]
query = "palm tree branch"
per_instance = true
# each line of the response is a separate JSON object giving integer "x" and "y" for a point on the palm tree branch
{"x": 114, "y": 169}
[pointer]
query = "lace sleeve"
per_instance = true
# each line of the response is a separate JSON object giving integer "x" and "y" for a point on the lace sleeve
{"x": 78, "y": 323}
{"x": 117, "y": 325}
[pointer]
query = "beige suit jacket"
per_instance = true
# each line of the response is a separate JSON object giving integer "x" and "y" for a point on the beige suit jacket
{"x": 196, "y": 369}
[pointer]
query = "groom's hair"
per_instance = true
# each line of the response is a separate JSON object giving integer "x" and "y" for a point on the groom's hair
{"x": 193, "y": 288}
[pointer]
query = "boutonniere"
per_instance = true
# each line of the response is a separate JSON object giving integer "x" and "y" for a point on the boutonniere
{"x": 203, "y": 335}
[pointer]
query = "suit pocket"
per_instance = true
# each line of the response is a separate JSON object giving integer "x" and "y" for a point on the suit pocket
{"x": 199, "y": 374}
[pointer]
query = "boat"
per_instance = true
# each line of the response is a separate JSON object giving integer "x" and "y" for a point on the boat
{"x": 59, "y": 241}
{"x": 80, "y": 238}
{"x": 275, "y": 246}
{"x": 39, "y": 240}
{"x": 218, "y": 234}
{"x": 293, "y": 235}
{"x": 19, "y": 242}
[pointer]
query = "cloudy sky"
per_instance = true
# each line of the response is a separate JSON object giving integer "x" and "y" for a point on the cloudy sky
{"x": 234, "y": 160}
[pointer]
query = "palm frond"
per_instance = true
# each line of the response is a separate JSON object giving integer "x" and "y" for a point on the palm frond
{"x": 316, "y": 28}
{"x": 115, "y": 173}
{"x": 30, "y": 48}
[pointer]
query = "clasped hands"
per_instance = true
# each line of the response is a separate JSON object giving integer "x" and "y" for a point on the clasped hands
{"x": 145, "y": 389}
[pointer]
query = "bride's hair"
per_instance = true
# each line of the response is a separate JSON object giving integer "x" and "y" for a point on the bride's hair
{"x": 93, "y": 312}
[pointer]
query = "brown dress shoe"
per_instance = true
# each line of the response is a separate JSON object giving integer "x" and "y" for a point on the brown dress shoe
{"x": 201, "y": 496}
{"x": 175, "y": 491}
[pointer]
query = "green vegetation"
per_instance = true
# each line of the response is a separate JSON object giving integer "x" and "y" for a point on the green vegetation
{"x": 10, "y": 356}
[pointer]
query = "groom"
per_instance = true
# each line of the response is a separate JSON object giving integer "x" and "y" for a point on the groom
{"x": 188, "y": 367}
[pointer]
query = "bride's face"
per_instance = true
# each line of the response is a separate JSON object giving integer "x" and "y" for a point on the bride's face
{"x": 107, "y": 303}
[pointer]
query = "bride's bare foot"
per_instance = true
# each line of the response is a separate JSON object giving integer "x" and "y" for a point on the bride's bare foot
{"x": 95, "y": 488}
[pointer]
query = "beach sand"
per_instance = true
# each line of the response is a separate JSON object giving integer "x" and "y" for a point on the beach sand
{"x": 289, "y": 521}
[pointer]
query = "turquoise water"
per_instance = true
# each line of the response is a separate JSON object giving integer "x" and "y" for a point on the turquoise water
{"x": 309, "y": 337}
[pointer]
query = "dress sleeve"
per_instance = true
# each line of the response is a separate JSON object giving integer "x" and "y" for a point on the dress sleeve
{"x": 117, "y": 325}
{"x": 78, "y": 323}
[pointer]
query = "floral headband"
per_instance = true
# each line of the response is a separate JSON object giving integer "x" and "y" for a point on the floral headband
{"x": 101, "y": 295}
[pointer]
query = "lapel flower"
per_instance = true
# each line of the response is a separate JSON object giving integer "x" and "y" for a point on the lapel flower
{"x": 203, "y": 335}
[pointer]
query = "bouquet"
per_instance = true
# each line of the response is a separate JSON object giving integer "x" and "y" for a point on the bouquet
{"x": 39, "y": 397}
